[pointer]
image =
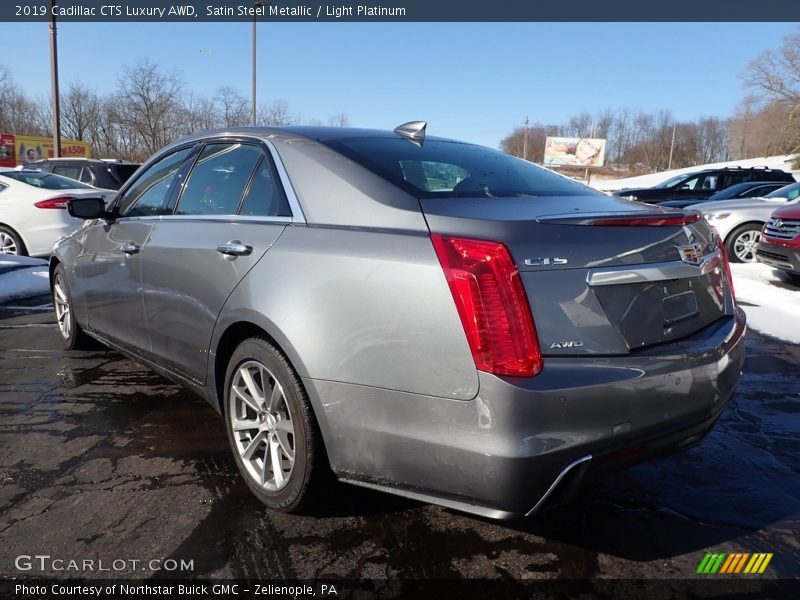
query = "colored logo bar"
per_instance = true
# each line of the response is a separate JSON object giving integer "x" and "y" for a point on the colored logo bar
{"x": 738, "y": 562}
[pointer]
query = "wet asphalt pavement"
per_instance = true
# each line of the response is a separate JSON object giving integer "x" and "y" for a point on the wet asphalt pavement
{"x": 102, "y": 459}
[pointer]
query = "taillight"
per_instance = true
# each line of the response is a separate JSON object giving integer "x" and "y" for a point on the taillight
{"x": 492, "y": 305}
{"x": 724, "y": 253}
{"x": 60, "y": 202}
{"x": 649, "y": 221}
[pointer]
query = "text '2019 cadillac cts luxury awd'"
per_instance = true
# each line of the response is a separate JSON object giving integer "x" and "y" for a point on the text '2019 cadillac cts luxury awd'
{"x": 422, "y": 316}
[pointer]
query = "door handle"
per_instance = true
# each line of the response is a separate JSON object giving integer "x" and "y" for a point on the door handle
{"x": 234, "y": 248}
{"x": 130, "y": 248}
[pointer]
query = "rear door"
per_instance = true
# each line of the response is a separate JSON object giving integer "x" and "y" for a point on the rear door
{"x": 231, "y": 209}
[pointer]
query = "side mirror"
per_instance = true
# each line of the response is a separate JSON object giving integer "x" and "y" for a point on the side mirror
{"x": 87, "y": 208}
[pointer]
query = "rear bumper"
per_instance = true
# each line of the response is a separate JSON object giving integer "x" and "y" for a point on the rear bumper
{"x": 502, "y": 453}
{"x": 779, "y": 257}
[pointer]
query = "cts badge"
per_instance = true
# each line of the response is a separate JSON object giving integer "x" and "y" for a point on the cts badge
{"x": 539, "y": 262}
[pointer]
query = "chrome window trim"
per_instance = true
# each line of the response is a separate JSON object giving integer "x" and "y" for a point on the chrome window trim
{"x": 226, "y": 218}
{"x": 661, "y": 271}
{"x": 298, "y": 216}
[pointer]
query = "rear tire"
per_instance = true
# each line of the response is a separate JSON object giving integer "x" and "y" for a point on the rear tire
{"x": 10, "y": 242}
{"x": 271, "y": 427}
{"x": 72, "y": 336}
{"x": 742, "y": 243}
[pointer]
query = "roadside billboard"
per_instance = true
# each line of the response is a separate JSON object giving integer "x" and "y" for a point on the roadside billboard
{"x": 29, "y": 148}
{"x": 23, "y": 149}
{"x": 574, "y": 152}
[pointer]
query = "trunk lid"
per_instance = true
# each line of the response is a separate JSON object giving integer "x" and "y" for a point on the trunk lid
{"x": 598, "y": 283}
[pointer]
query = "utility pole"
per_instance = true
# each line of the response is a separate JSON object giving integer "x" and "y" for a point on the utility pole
{"x": 525, "y": 141}
{"x": 672, "y": 146}
{"x": 55, "y": 123}
{"x": 257, "y": 4}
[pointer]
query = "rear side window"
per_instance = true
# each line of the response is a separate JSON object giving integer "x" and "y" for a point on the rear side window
{"x": 265, "y": 197}
{"x": 443, "y": 169}
{"x": 86, "y": 175}
{"x": 217, "y": 181}
{"x": 67, "y": 171}
{"x": 149, "y": 194}
{"x": 761, "y": 190}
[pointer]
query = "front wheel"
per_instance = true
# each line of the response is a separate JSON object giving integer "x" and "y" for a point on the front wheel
{"x": 271, "y": 427}
{"x": 743, "y": 242}
{"x": 72, "y": 336}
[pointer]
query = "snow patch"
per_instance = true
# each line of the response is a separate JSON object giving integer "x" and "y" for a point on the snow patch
{"x": 24, "y": 283}
{"x": 772, "y": 305}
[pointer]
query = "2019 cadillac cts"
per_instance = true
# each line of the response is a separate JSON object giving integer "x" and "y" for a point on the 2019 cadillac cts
{"x": 423, "y": 316}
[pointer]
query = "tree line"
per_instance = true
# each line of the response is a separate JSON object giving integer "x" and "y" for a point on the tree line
{"x": 148, "y": 109}
{"x": 766, "y": 122}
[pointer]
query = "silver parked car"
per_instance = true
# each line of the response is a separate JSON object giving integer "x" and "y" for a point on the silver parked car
{"x": 739, "y": 222}
{"x": 421, "y": 316}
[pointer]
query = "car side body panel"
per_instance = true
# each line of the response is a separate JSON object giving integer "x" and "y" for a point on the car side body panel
{"x": 356, "y": 306}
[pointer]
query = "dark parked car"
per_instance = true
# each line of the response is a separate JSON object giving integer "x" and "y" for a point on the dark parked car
{"x": 751, "y": 189}
{"x": 426, "y": 317}
{"x": 701, "y": 184}
{"x": 106, "y": 174}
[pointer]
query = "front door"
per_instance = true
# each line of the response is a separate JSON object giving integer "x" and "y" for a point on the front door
{"x": 109, "y": 267}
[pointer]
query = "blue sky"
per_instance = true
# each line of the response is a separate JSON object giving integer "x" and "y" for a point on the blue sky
{"x": 469, "y": 81}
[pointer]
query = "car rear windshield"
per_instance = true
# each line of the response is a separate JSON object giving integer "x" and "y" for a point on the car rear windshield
{"x": 442, "y": 169}
{"x": 46, "y": 181}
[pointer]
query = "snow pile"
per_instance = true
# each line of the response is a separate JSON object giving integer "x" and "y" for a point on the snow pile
{"x": 22, "y": 277}
{"x": 771, "y": 304}
{"x": 782, "y": 162}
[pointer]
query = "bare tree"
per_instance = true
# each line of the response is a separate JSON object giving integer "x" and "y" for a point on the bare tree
{"x": 233, "y": 108}
{"x": 277, "y": 113}
{"x": 774, "y": 76}
{"x": 150, "y": 105}
{"x": 339, "y": 120}
{"x": 80, "y": 111}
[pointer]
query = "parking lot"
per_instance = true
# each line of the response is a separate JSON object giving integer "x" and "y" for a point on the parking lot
{"x": 104, "y": 460}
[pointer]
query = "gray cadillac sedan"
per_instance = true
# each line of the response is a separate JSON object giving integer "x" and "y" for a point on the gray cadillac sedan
{"x": 421, "y": 316}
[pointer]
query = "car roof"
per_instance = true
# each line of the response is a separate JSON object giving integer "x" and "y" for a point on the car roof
{"x": 67, "y": 158}
{"x": 310, "y": 132}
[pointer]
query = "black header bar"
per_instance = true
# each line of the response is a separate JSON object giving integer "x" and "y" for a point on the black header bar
{"x": 402, "y": 10}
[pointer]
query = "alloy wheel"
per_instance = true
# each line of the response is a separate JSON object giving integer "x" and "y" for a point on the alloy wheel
{"x": 744, "y": 247}
{"x": 61, "y": 301}
{"x": 8, "y": 245}
{"x": 262, "y": 426}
